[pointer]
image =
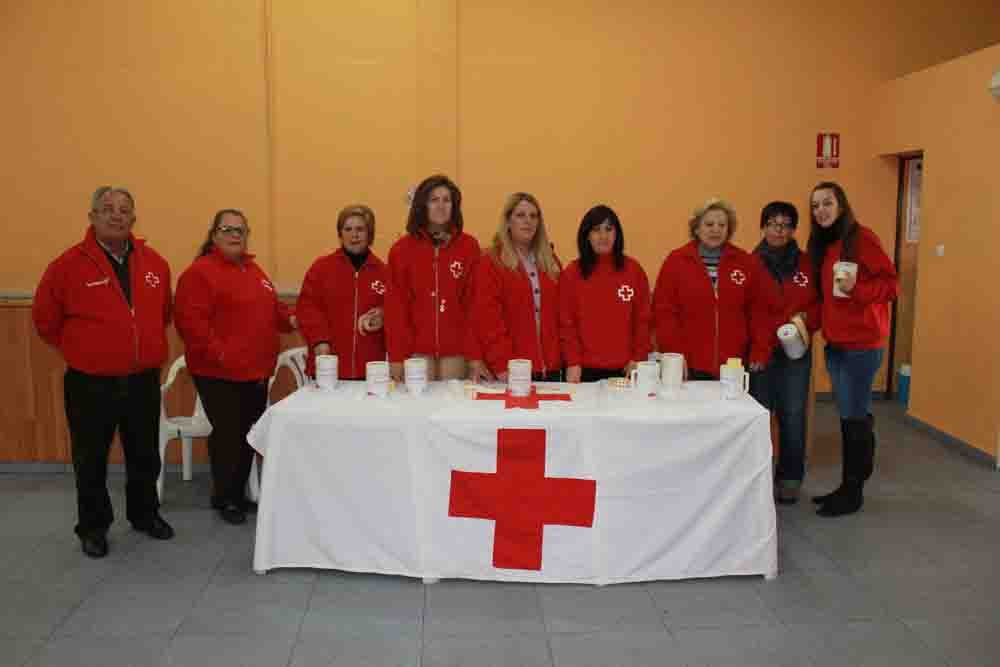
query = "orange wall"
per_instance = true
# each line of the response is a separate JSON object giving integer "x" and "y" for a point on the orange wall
{"x": 292, "y": 110}
{"x": 947, "y": 112}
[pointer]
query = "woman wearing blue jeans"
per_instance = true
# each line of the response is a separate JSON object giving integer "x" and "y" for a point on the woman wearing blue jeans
{"x": 782, "y": 386}
{"x": 857, "y": 283}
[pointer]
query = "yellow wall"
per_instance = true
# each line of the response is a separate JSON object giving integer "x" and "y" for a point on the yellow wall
{"x": 947, "y": 112}
{"x": 291, "y": 110}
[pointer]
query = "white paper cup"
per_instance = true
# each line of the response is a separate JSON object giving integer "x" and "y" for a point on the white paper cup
{"x": 519, "y": 377}
{"x": 326, "y": 371}
{"x": 671, "y": 371}
{"x": 735, "y": 381}
{"x": 791, "y": 341}
{"x": 377, "y": 378}
{"x": 415, "y": 374}
{"x": 840, "y": 271}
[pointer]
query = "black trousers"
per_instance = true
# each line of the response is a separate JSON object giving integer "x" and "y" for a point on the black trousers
{"x": 232, "y": 408}
{"x": 95, "y": 407}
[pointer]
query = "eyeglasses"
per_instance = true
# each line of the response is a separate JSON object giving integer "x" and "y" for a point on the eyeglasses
{"x": 110, "y": 212}
{"x": 230, "y": 229}
{"x": 778, "y": 225}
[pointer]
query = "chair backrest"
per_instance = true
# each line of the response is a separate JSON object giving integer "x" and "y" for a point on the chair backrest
{"x": 294, "y": 359}
{"x": 175, "y": 368}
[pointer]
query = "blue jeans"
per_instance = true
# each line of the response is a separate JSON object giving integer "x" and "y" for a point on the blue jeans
{"x": 783, "y": 388}
{"x": 852, "y": 373}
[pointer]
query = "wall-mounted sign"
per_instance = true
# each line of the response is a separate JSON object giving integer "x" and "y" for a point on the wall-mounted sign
{"x": 827, "y": 150}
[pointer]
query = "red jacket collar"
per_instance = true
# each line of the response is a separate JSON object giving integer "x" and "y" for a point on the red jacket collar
{"x": 244, "y": 258}
{"x": 691, "y": 249}
{"x": 370, "y": 261}
{"x": 91, "y": 245}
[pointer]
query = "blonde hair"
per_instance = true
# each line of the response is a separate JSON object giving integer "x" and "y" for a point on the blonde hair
{"x": 713, "y": 204}
{"x": 357, "y": 211}
{"x": 503, "y": 248}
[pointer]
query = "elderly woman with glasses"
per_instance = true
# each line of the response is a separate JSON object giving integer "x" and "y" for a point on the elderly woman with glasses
{"x": 340, "y": 306}
{"x": 707, "y": 296}
{"x": 782, "y": 386}
{"x": 229, "y": 316}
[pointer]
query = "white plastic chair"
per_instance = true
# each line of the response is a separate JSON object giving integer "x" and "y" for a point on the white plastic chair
{"x": 294, "y": 359}
{"x": 180, "y": 428}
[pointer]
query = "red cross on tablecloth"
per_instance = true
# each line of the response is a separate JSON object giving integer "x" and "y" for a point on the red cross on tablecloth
{"x": 521, "y": 499}
{"x": 529, "y": 402}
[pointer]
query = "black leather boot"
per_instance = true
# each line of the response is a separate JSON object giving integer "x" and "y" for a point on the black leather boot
{"x": 858, "y": 452}
{"x": 819, "y": 500}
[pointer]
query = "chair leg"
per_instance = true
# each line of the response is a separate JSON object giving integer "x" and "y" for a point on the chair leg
{"x": 163, "y": 465}
{"x": 186, "y": 457}
{"x": 253, "y": 482}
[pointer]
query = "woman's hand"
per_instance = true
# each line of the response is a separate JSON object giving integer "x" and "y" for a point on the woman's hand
{"x": 396, "y": 371}
{"x": 574, "y": 374}
{"x": 370, "y": 321}
{"x": 629, "y": 367}
{"x": 757, "y": 366}
{"x": 479, "y": 372}
{"x": 294, "y": 321}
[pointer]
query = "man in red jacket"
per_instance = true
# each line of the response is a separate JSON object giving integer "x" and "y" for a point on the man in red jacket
{"x": 105, "y": 304}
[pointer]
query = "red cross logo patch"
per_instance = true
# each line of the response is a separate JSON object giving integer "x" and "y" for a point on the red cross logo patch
{"x": 378, "y": 287}
{"x": 520, "y": 499}
{"x": 800, "y": 279}
{"x": 152, "y": 279}
{"x": 737, "y": 276}
{"x": 625, "y": 293}
{"x": 457, "y": 269}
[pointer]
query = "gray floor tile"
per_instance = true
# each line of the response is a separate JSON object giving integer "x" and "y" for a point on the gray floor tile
{"x": 128, "y": 614}
{"x": 16, "y": 652}
{"x": 962, "y": 642}
{"x": 364, "y": 606}
{"x": 591, "y": 608}
{"x": 101, "y": 652}
{"x": 227, "y": 651}
{"x": 708, "y": 603}
{"x": 482, "y": 609}
{"x": 747, "y": 646}
{"x": 865, "y": 644}
{"x": 356, "y": 652}
{"x": 32, "y": 611}
{"x": 529, "y": 651}
{"x": 815, "y": 598}
{"x": 617, "y": 649}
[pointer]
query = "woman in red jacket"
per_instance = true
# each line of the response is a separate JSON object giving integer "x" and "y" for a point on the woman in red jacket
{"x": 603, "y": 303}
{"x": 430, "y": 270}
{"x": 782, "y": 386}
{"x": 340, "y": 305}
{"x": 229, "y": 315}
{"x": 707, "y": 297}
{"x": 857, "y": 282}
{"x": 516, "y": 306}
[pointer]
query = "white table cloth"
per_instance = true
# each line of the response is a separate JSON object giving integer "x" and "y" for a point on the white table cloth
{"x": 681, "y": 486}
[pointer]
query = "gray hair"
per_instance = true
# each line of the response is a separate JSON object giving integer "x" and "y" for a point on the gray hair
{"x": 713, "y": 204}
{"x": 99, "y": 193}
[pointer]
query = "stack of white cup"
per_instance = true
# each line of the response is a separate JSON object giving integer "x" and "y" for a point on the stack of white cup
{"x": 326, "y": 371}
{"x": 415, "y": 372}
{"x": 519, "y": 377}
{"x": 377, "y": 378}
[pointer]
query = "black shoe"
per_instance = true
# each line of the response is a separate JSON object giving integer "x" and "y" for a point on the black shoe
{"x": 95, "y": 546}
{"x": 827, "y": 497}
{"x": 233, "y": 513}
{"x": 250, "y": 507}
{"x": 156, "y": 528}
{"x": 847, "y": 503}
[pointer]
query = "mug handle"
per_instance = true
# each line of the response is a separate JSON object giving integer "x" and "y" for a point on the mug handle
{"x": 633, "y": 377}
{"x": 746, "y": 382}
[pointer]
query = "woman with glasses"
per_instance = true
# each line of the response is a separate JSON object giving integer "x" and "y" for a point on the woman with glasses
{"x": 430, "y": 291}
{"x": 782, "y": 386}
{"x": 707, "y": 297}
{"x": 603, "y": 303}
{"x": 340, "y": 306}
{"x": 517, "y": 295}
{"x": 229, "y": 316}
{"x": 857, "y": 282}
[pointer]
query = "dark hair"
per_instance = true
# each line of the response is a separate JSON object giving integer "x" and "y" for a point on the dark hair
{"x": 417, "y": 220}
{"x": 588, "y": 258}
{"x": 782, "y": 208}
{"x": 844, "y": 228}
{"x": 209, "y": 243}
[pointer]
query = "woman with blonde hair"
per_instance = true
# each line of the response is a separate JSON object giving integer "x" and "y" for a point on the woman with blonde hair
{"x": 517, "y": 301}
{"x": 706, "y": 296}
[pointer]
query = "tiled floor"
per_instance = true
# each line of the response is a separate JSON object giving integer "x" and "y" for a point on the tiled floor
{"x": 909, "y": 581}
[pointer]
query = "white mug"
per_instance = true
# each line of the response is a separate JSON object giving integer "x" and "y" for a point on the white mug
{"x": 644, "y": 376}
{"x": 735, "y": 381}
{"x": 415, "y": 373}
{"x": 672, "y": 367}
{"x": 377, "y": 378}
{"x": 519, "y": 377}
{"x": 326, "y": 371}
{"x": 840, "y": 271}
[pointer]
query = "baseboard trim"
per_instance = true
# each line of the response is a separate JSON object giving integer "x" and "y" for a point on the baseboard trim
{"x": 827, "y": 396}
{"x": 951, "y": 442}
{"x": 48, "y": 468}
